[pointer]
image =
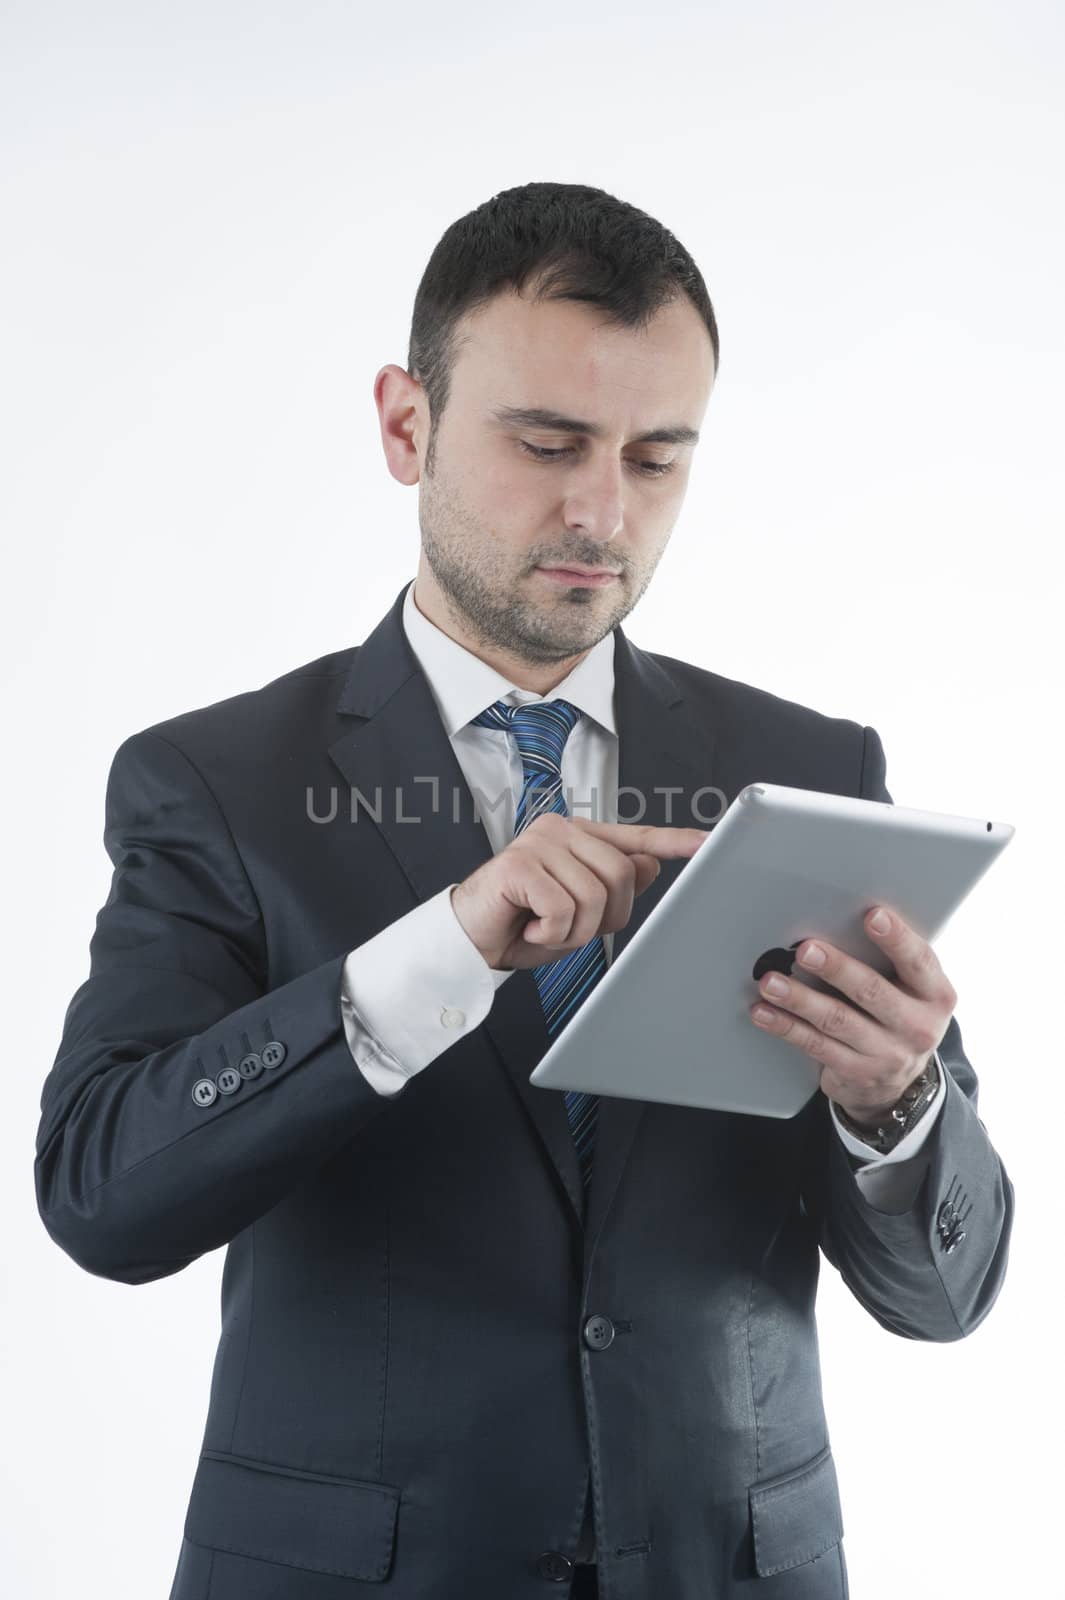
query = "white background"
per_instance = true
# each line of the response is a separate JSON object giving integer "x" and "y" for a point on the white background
{"x": 215, "y": 220}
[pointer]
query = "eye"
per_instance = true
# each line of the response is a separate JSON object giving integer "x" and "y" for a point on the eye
{"x": 653, "y": 469}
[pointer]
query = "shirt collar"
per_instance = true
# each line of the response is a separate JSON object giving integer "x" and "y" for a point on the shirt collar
{"x": 463, "y": 685}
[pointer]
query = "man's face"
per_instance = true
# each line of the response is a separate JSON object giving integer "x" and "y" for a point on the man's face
{"x": 493, "y": 515}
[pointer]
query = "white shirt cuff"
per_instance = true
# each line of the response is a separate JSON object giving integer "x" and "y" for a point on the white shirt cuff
{"x": 887, "y": 1189}
{"x": 412, "y": 991}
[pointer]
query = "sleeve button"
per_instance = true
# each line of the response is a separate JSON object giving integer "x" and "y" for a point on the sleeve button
{"x": 273, "y": 1054}
{"x": 451, "y": 1018}
{"x": 204, "y": 1092}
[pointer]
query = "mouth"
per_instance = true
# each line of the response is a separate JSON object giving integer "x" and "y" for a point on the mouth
{"x": 576, "y": 577}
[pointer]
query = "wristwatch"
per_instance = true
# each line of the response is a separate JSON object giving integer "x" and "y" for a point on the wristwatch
{"x": 903, "y": 1116}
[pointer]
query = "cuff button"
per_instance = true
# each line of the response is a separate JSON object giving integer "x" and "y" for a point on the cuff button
{"x": 273, "y": 1054}
{"x": 451, "y": 1018}
{"x": 204, "y": 1092}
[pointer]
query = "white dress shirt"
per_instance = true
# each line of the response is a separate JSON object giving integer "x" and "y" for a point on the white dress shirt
{"x": 420, "y": 984}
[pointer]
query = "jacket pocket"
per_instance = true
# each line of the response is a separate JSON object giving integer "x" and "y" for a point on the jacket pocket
{"x": 796, "y": 1517}
{"x": 342, "y": 1526}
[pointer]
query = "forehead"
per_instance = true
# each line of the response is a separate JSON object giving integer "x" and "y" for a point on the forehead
{"x": 558, "y": 352}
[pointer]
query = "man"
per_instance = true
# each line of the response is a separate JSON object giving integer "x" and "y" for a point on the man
{"x": 481, "y": 1339}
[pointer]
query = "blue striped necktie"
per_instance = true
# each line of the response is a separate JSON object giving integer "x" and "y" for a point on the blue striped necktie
{"x": 541, "y": 730}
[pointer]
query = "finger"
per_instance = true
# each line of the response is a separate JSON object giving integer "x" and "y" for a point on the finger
{"x": 877, "y": 995}
{"x": 827, "y": 1014}
{"x": 624, "y": 876}
{"x": 913, "y": 958}
{"x": 586, "y": 892}
{"x": 647, "y": 870}
{"x": 846, "y": 1074}
{"x": 834, "y": 1053}
{"x": 547, "y": 899}
{"x": 632, "y": 837}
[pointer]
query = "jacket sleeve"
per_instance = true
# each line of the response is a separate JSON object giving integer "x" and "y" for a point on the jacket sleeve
{"x": 935, "y": 1270}
{"x": 185, "y": 1100}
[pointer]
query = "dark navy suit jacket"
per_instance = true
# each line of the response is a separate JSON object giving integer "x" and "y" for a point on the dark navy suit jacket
{"x": 426, "y": 1346}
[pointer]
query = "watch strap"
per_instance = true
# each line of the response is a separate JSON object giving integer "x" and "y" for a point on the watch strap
{"x": 903, "y": 1116}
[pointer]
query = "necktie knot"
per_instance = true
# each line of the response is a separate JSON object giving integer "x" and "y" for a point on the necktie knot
{"x": 541, "y": 729}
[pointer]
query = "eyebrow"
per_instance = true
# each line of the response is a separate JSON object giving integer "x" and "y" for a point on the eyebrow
{"x": 555, "y": 422}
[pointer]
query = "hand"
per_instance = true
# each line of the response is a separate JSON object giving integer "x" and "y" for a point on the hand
{"x": 559, "y": 883}
{"x": 867, "y": 1061}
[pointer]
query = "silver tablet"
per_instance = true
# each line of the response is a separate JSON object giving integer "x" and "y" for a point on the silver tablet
{"x": 669, "y": 1019}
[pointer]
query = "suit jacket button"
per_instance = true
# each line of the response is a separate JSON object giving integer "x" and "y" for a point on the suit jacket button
{"x": 228, "y": 1080}
{"x": 553, "y": 1564}
{"x": 250, "y": 1066}
{"x": 204, "y": 1092}
{"x": 273, "y": 1053}
{"x": 598, "y": 1333}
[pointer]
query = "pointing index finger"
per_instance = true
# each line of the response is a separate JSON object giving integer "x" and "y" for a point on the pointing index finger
{"x": 665, "y": 842}
{"x": 645, "y": 839}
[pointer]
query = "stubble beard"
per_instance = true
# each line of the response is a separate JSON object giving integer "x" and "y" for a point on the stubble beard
{"x": 497, "y": 607}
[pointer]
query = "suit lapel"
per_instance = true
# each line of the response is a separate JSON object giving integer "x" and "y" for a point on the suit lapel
{"x": 395, "y": 743}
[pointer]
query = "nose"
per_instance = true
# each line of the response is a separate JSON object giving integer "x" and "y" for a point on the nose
{"x": 594, "y": 502}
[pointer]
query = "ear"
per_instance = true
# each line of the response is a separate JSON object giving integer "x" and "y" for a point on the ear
{"x": 404, "y": 417}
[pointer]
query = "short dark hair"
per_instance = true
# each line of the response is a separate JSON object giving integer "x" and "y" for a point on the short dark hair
{"x": 574, "y": 242}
